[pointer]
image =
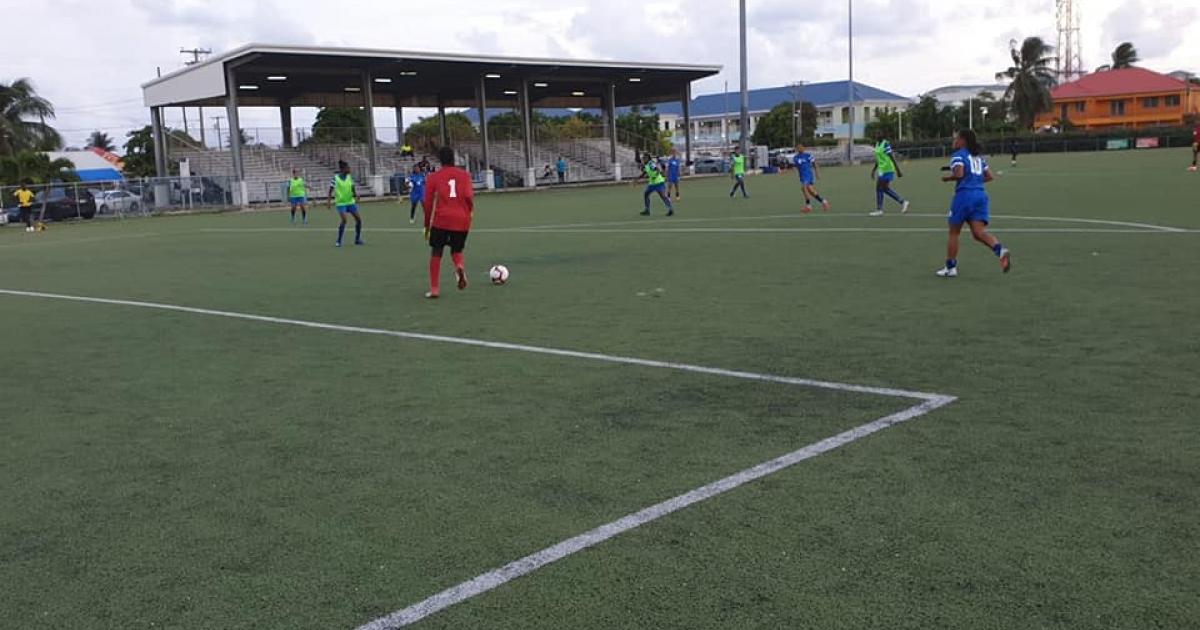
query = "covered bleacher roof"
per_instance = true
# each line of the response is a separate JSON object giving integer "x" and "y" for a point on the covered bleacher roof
{"x": 304, "y": 76}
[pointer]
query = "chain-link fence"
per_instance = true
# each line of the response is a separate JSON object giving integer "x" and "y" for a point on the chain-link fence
{"x": 1052, "y": 143}
{"x": 66, "y": 201}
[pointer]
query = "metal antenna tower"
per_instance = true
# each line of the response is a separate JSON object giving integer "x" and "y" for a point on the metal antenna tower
{"x": 1070, "y": 57}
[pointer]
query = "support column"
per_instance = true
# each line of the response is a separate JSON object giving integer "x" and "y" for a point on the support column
{"x": 687, "y": 124}
{"x": 441, "y": 109}
{"x": 203, "y": 144}
{"x": 489, "y": 181}
{"x": 400, "y": 125}
{"x": 285, "y": 124}
{"x": 156, "y": 134}
{"x": 235, "y": 127}
{"x": 369, "y": 107}
{"x": 610, "y": 109}
{"x": 527, "y": 126}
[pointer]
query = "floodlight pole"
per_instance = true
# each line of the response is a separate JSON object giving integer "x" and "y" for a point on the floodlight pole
{"x": 970, "y": 112}
{"x": 744, "y": 119}
{"x": 850, "y": 83}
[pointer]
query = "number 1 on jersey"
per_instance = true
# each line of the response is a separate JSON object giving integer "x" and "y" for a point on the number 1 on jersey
{"x": 453, "y": 189}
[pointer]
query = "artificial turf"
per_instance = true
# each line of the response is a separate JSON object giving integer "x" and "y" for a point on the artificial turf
{"x": 175, "y": 470}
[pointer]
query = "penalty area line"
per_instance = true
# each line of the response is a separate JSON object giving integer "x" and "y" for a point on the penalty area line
{"x": 490, "y": 580}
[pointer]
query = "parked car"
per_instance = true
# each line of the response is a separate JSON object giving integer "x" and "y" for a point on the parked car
{"x": 710, "y": 165}
{"x": 61, "y": 203}
{"x": 113, "y": 201}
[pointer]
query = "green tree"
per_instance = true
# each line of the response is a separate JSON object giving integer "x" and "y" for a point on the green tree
{"x": 19, "y": 103}
{"x": 35, "y": 166}
{"x": 100, "y": 140}
{"x": 641, "y": 129}
{"x": 778, "y": 128}
{"x": 1124, "y": 56}
{"x": 1032, "y": 78}
{"x": 139, "y": 153}
{"x": 928, "y": 119}
{"x": 335, "y": 125}
{"x": 428, "y": 129}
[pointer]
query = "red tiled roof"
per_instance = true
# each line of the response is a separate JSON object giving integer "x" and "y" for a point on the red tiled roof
{"x": 1117, "y": 82}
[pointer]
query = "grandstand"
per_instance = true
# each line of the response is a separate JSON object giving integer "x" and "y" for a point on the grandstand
{"x": 288, "y": 76}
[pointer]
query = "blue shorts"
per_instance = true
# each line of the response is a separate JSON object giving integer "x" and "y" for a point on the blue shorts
{"x": 416, "y": 198}
{"x": 658, "y": 188}
{"x": 969, "y": 205}
{"x": 673, "y": 179}
{"x": 886, "y": 178}
{"x": 298, "y": 200}
{"x": 808, "y": 179}
{"x": 350, "y": 208}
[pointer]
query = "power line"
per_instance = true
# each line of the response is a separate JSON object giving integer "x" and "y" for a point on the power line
{"x": 196, "y": 53}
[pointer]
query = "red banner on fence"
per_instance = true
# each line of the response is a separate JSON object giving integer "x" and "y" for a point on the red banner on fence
{"x": 1147, "y": 143}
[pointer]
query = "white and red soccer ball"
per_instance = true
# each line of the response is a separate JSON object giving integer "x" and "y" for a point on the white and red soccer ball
{"x": 498, "y": 274}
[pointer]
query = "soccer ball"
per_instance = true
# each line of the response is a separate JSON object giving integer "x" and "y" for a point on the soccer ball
{"x": 498, "y": 274}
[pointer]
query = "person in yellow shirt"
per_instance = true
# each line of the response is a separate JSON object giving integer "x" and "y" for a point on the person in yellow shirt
{"x": 25, "y": 198}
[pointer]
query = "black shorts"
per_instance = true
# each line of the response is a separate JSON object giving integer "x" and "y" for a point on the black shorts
{"x": 439, "y": 239}
{"x": 26, "y": 214}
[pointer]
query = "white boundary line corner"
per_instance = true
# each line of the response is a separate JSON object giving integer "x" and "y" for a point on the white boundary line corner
{"x": 530, "y": 563}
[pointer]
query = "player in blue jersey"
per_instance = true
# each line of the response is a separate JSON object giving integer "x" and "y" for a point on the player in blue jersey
{"x": 969, "y": 170}
{"x": 416, "y": 193}
{"x": 674, "y": 170}
{"x": 809, "y": 172}
{"x": 885, "y": 170}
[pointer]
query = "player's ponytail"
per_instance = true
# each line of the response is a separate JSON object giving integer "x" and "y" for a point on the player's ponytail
{"x": 971, "y": 140}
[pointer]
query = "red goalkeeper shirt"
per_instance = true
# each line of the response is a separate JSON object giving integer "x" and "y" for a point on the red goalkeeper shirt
{"x": 449, "y": 199}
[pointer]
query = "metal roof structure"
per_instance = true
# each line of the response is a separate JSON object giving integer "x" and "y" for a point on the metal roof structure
{"x": 306, "y": 76}
{"x": 264, "y": 75}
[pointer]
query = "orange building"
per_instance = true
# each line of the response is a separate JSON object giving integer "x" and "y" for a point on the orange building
{"x": 1131, "y": 97}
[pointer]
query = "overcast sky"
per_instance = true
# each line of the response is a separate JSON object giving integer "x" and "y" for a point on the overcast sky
{"x": 89, "y": 57}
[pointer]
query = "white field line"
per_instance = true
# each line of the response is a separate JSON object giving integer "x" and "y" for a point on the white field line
{"x": 518, "y": 568}
{"x": 523, "y": 566}
{"x": 788, "y": 230}
{"x": 37, "y": 240}
{"x": 1147, "y": 226}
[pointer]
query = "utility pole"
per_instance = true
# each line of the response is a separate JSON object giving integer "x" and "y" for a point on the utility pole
{"x": 196, "y": 53}
{"x": 795, "y": 118}
{"x": 850, "y": 85}
{"x": 218, "y": 120}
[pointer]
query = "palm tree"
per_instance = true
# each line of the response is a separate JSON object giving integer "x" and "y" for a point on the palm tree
{"x": 100, "y": 140}
{"x": 18, "y": 103}
{"x": 1032, "y": 78}
{"x": 35, "y": 166}
{"x": 1124, "y": 56}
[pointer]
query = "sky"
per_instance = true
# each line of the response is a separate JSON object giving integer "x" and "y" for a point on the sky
{"x": 94, "y": 55}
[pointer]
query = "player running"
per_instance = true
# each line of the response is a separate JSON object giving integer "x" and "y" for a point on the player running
{"x": 341, "y": 193}
{"x": 655, "y": 183}
{"x": 1195, "y": 147}
{"x": 449, "y": 204}
{"x": 674, "y": 167}
{"x": 885, "y": 170}
{"x": 970, "y": 170}
{"x": 416, "y": 193}
{"x": 739, "y": 174}
{"x": 809, "y": 172}
{"x": 298, "y": 196}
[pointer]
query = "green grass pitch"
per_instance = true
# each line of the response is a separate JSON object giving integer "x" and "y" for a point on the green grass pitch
{"x": 174, "y": 470}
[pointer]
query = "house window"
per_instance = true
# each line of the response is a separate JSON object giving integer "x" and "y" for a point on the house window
{"x": 1116, "y": 108}
{"x": 1062, "y": 112}
{"x": 1150, "y": 102}
{"x": 1172, "y": 100}
{"x": 1080, "y": 107}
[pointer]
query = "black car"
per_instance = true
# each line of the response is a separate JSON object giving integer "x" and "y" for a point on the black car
{"x": 61, "y": 203}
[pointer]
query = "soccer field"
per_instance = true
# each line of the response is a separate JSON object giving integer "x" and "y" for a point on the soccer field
{"x": 271, "y": 433}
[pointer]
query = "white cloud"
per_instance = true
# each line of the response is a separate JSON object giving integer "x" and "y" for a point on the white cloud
{"x": 103, "y": 51}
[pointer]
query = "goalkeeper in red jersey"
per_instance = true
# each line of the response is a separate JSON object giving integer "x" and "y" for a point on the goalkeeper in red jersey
{"x": 449, "y": 204}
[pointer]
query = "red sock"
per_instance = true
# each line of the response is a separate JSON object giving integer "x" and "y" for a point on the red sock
{"x": 435, "y": 270}
{"x": 457, "y": 257}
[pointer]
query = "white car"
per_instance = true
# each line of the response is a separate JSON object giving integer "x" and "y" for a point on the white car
{"x": 113, "y": 201}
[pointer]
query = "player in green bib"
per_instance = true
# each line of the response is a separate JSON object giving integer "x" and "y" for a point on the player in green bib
{"x": 885, "y": 170}
{"x": 739, "y": 174}
{"x": 656, "y": 182}
{"x": 341, "y": 194}
{"x": 298, "y": 196}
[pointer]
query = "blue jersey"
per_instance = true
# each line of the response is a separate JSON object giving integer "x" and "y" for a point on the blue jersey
{"x": 804, "y": 164}
{"x": 416, "y": 183}
{"x": 673, "y": 169}
{"x": 974, "y": 167}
